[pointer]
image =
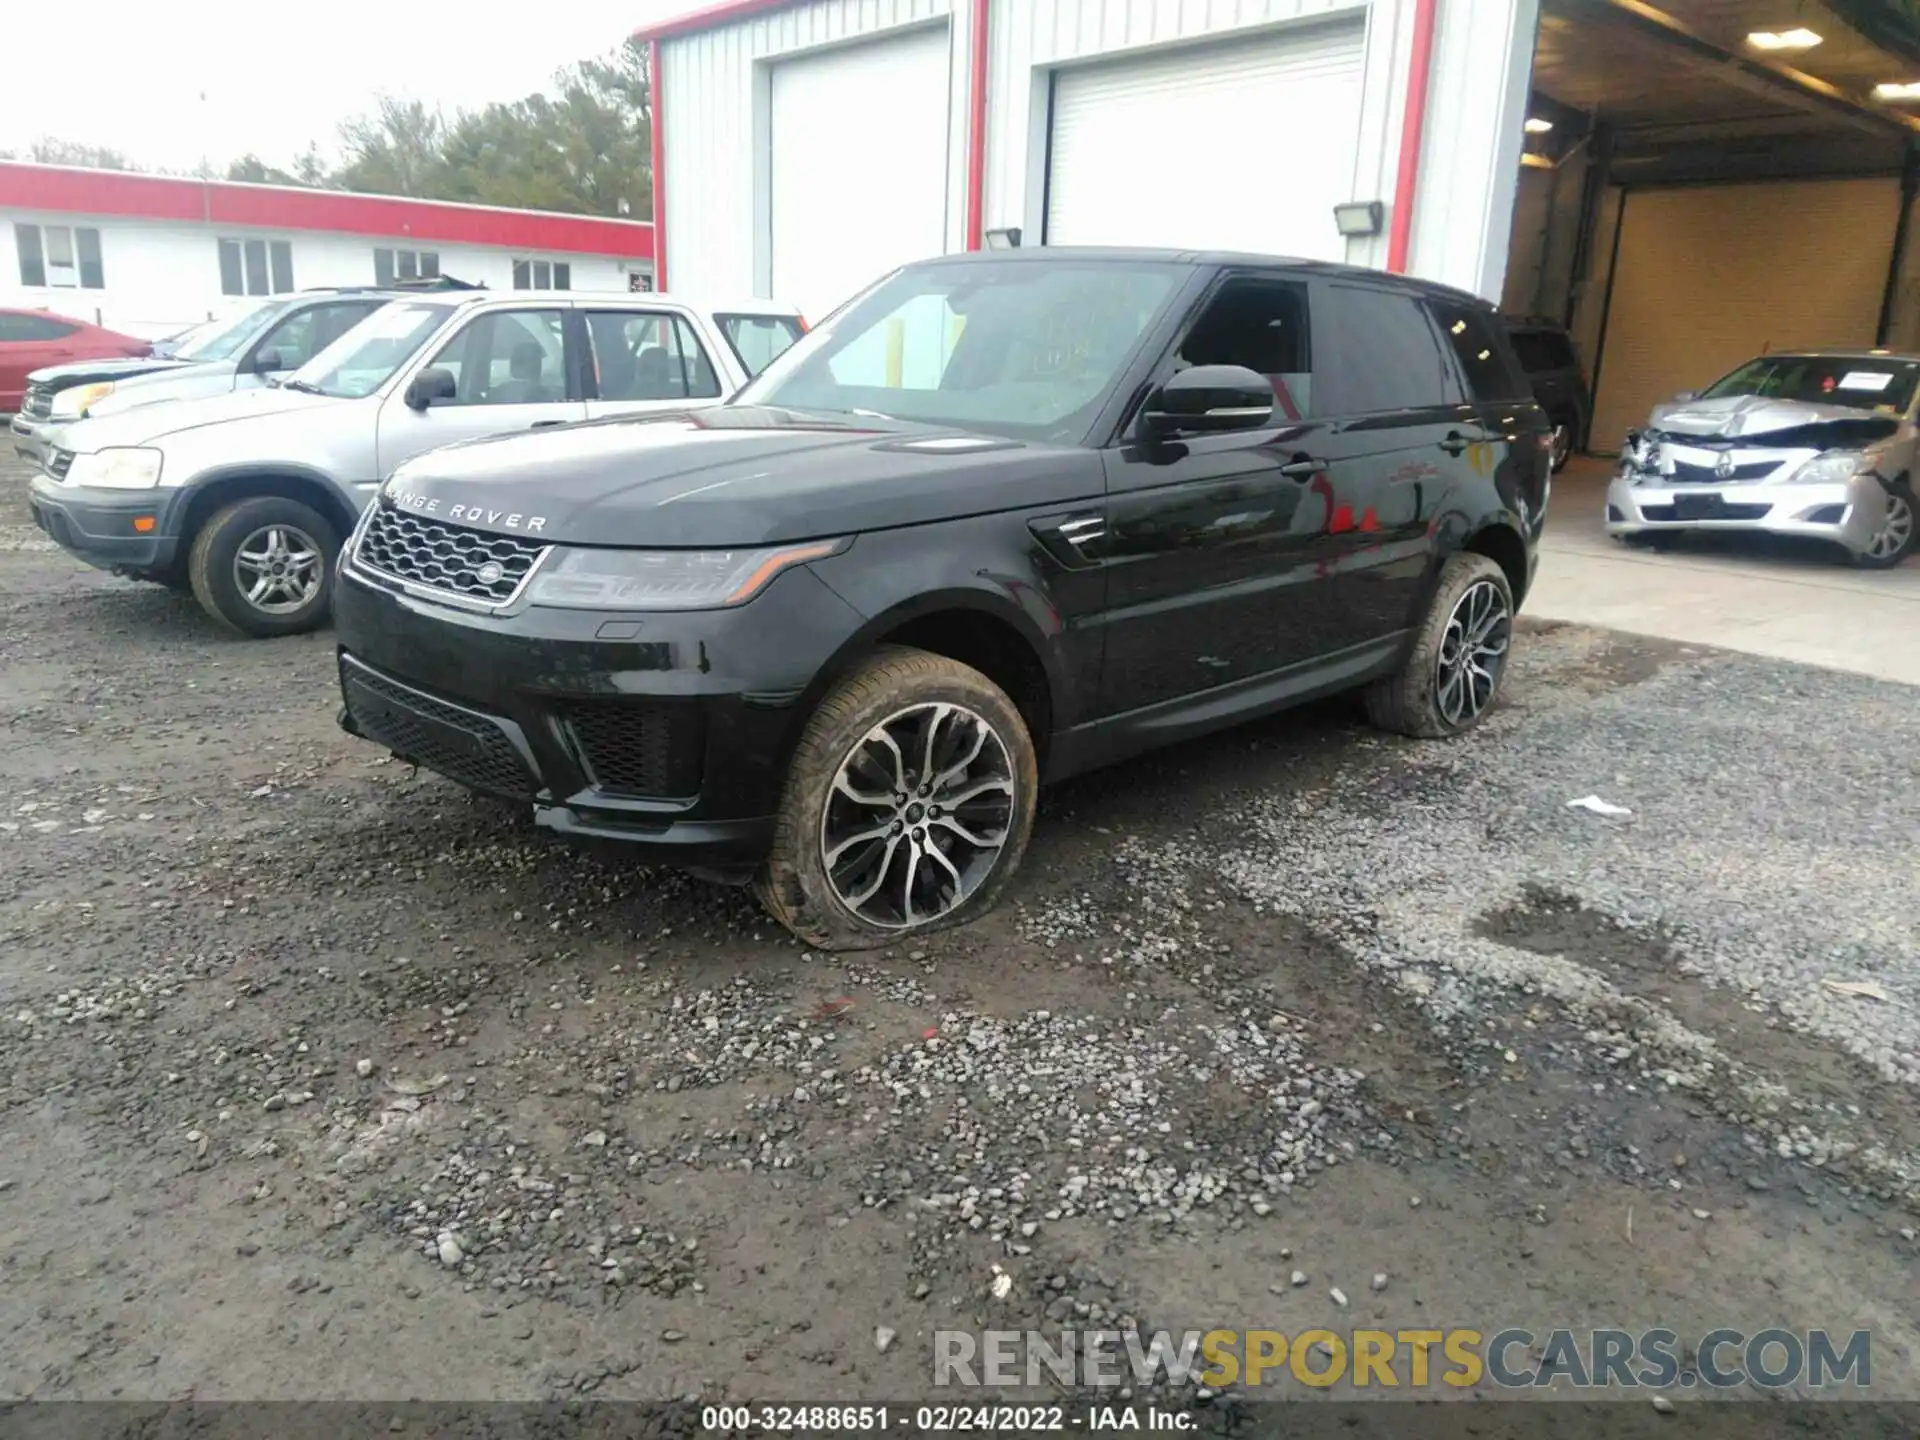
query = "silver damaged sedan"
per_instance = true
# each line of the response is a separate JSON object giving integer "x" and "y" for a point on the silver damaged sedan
{"x": 1822, "y": 444}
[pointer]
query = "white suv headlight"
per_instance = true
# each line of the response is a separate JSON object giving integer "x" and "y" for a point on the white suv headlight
{"x": 118, "y": 469}
{"x": 72, "y": 403}
{"x": 1834, "y": 468}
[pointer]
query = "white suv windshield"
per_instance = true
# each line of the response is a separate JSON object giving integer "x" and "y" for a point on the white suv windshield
{"x": 1025, "y": 349}
{"x": 364, "y": 359}
{"x": 222, "y": 339}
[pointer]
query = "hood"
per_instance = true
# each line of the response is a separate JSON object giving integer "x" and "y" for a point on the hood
{"x": 86, "y": 372}
{"x": 176, "y": 382}
{"x": 734, "y": 476}
{"x": 1781, "y": 423}
{"x": 146, "y": 424}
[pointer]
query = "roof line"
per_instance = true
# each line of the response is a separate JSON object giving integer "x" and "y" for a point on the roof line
{"x": 253, "y": 185}
{"x": 709, "y": 17}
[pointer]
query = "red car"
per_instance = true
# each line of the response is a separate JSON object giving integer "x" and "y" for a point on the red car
{"x": 33, "y": 339}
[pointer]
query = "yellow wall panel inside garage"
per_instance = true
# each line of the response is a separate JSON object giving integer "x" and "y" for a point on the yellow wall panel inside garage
{"x": 1711, "y": 275}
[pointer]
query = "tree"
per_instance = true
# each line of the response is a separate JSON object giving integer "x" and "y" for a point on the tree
{"x": 50, "y": 150}
{"x": 585, "y": 148}
{"x": 394, "y": 151}
{"x": 255, "y": 171}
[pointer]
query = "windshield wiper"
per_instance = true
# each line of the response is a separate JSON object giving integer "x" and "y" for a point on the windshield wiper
{"x": 305, "y": 387}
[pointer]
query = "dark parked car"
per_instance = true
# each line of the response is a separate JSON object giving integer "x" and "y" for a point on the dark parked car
{"x": 30, "y": 339}
{"x": 1003, "y": 518}
{"x": 1553, "y": 370}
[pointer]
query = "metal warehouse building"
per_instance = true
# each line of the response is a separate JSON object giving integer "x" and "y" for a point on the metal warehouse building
{"x": 1682, "y": 183}
{"x": 807, "y": 147}
{"x": 149, "y": 254}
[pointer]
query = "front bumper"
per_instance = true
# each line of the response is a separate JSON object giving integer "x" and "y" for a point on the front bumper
{"x": 110, "y": 529}
{"x": 32, "y": 439}
{"x": 670, "y": 731}
{"x": 1847, "y": 513}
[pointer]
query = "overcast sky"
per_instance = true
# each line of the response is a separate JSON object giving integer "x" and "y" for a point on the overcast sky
{"x": 129, "y": 74}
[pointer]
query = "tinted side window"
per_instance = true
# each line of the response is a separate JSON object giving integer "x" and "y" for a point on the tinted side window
{"x": 1262, "y": 325}
{"x": 1376, "y": 352}
{"x": 1480, "y": 348}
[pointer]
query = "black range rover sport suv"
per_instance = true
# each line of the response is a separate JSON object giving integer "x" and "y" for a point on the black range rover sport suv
{"x": 1002, "y": 518}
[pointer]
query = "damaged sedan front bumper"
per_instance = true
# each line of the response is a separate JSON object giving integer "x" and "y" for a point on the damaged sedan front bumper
{"x": 1844, "y": 510}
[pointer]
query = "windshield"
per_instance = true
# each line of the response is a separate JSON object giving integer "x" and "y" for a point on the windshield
{"x": 222, "y": 339}
{"x": 1881, "y": 385}
{"x": 1026, "y": 350}
{"x": 364, "y": 359}
{"x": 759, "y": 340}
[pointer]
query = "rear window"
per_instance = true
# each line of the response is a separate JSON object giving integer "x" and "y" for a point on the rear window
{"x": 1542, "y": 350}
{"x": 1480, "y": 347}
{"x": 757, "y": 340}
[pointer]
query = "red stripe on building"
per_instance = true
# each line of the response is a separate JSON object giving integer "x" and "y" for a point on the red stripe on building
{"x": 61, "y": 190}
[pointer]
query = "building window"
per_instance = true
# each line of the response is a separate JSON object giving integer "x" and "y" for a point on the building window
{"x": 256, "y": 267}
{"x": 542, "y": 275}
{"x": 392, "y": 265}
{"x": 62, "y": 256}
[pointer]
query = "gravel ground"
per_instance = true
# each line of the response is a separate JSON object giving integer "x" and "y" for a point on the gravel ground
{"x": 320, "y": 1079}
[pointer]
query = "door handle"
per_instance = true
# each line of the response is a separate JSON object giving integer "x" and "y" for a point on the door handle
{"x": 1455, "y": 443}
{"x": 1304, "y": 468}
{"x": 542, "y": 424}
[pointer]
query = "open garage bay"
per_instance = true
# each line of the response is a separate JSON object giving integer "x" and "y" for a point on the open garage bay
{"x": 395, "y": 1096}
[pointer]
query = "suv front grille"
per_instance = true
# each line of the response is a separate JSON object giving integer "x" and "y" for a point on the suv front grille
{"x": 473, "y": 564}
{"x": 58, "y": 463}
{"x": 646, "y": 750}
{"x": 37, "y": 404}
{"x": 466, "y": 746}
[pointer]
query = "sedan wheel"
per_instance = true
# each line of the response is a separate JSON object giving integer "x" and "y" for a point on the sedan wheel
{"x": 1895, "y": 537}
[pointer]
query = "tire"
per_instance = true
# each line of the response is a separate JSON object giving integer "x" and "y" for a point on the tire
{"x": 1417, "y": 701}
{"x": 1562, "y": 449}
{"x": 1898, "y": 535}
{"x": 213, "y": 571}
{"x": 900, "y": 692}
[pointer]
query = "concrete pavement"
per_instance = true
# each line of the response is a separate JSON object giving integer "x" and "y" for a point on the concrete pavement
{"x": 1740, "y": 593}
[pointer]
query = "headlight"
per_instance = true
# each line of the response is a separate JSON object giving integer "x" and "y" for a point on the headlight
{"x": 71, "y": 404}
{"x": 122, "y": 469}
{"x": 666, "y": 579}
{"x": 1833, "y": 468}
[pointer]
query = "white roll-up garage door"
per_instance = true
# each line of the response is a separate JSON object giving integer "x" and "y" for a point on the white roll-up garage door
{"x": 1246, "y": 146}
{"x": 858, "y": 179}
{"x": 1711, "y": 275}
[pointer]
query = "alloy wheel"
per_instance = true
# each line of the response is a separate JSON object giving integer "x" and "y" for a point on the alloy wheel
{"x": 278, "y": 569}
{"x": 1562, "y": 445}
{"x": 918, "y": 815}
{"x": 1473, "y": 652}
{"x": 1896, "y": 531}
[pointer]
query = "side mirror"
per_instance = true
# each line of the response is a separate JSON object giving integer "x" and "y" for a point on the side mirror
{"x": 269, "y": 362}
{"x": 431, "y": 384}
{"x": 1685, "y": 395}
{"x": 1208, "y": 399}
